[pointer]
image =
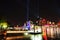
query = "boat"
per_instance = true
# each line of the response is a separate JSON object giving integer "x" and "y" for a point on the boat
{"x": 35, "y": 31}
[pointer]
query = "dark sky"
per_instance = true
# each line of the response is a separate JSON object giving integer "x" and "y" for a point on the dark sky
{"x": 15, "y": 11}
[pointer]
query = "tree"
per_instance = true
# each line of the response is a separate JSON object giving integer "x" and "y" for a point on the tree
{"x": 3, "y": 24}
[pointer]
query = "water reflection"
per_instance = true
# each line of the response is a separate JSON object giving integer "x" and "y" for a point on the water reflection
{"x": 24, "y": 37}
{"x": 36, "y": 37}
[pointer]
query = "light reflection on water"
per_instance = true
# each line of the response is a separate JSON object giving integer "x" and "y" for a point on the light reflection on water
{"x": 36, "y": 37}
{"x": 27, "y": 37}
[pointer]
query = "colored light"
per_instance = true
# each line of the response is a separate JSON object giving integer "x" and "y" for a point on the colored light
{"x": 4, "y": 25}
{"x": 25, "y": 33}
{"x": 28, "y": 25}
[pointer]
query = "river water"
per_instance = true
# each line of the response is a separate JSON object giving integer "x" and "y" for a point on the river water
{"x": 51, "y": 32}
{"x": 27, "y": 37}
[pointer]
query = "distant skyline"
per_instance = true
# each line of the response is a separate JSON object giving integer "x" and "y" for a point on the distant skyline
{"x": 15, "y": 10}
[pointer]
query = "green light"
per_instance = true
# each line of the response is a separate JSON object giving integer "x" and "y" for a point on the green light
{"x": 4, "y": 25}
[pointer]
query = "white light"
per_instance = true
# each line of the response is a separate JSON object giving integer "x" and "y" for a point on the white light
{"x": 32, "y": 26}
{"x": 26, "y": 28}
{"x": 36, "y": 31}
{"x": 36, "y": 37}
{"x": 39, "y": 30}
{"x": 25, "y": 33}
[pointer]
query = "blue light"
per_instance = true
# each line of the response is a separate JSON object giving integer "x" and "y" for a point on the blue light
{"x": 28, "y": 25}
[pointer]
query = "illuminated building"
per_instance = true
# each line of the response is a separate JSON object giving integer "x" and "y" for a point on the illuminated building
{"x": 32, "y": 26}
{"x": 43, "y": 21}
{"x": 24, "y": 26}
{"x": 49, "y": 22}
{"x": 58, "y": 24}
{"x": 40, "y": 22}
{"x": 53, "y": 23}
{"x": 28, "y": 25}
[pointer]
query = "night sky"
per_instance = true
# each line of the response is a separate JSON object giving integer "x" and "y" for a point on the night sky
{"x": 15, "y": 11}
